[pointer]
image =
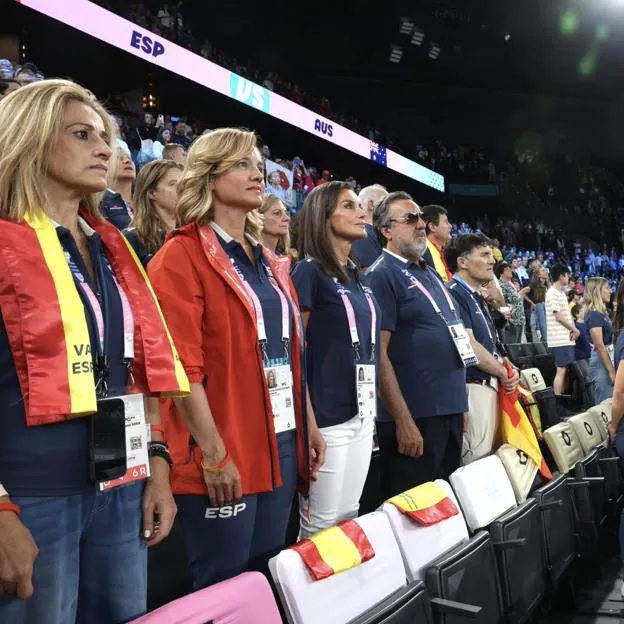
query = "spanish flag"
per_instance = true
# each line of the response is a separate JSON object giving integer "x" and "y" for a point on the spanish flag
{"x": 47, "y": 329}
{"x": 426, "y": 504}
{"x": 531, "y": 409}
{"x": 517, "y": 430}
{"x": 439, "y": 262}
{"x": 335, "y": 550}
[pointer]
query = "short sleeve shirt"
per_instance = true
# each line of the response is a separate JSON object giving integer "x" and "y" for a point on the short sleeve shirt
{"x": 430, "y": 373}
{"x": 598, "y": 319}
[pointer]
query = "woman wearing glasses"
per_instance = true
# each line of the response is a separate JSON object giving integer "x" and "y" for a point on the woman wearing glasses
{"x": 342, "y": 322}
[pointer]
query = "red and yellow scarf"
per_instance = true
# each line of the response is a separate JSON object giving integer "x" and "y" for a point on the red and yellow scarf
{"x": 47, "y": 329}
{"x": 439, "y": 262}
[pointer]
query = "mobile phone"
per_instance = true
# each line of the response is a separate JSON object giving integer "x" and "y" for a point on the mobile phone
{"x": 174, "y": 119}
{"x": 108, "y": 459}
{"x": 161, "y": 119}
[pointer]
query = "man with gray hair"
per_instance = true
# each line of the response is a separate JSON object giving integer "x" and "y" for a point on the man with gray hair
{"x": 367, "y": 250}
{"x": 423, "y": 354}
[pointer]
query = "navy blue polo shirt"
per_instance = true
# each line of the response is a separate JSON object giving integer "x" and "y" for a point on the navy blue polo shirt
{"x": 367, "y": 250}
{"x": 431, "y": 375}
{"x": 474, "y": 318}
{"x": 115, "y": 210}
{"x": 330, "y": 354}
{"x": 597, "y": 319}
{"x": 619, "y": 350}
{"x": 257, "y": 276}
{"x": 133, "y": 239}
{"x": 53, "y": 460}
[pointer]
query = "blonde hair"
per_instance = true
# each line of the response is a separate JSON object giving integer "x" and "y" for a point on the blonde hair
{"x": 212, "y": 154}
{"x": 283, "y": 242}
{"x": 593, "y": 298}
{"x": 146, "y": 220}
{"x": 31, "y": 121}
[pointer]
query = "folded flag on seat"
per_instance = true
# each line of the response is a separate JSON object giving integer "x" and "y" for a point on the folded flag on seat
{"x": 531, "y": 409}
{"x": 335, "y": 550}
{"x": 517, "y": 430}
{"x": 426, "y": 504}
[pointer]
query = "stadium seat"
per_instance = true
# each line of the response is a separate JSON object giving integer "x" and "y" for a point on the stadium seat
{"x": 532, "y": 379}
{"x": 586, "y": 430}
{"x": 518, "y": 541}
{"x": 581, "y": 381}
{"x": 520, "y": 354}
{"x": 483, "y": 491}
{"x": 306, "y": 601}
{"x": 558, "y": 530}
{"x": 467, "y": 575}
{"x": 420, "y": 545}
{"x": 520, "y": 470}
{"x": 589, "y": 469}
{"x": 245, "y": 599}
{"x": 544, "y": 395}
{"x": 564, "y": 446}
{"x": 406, "y": 606}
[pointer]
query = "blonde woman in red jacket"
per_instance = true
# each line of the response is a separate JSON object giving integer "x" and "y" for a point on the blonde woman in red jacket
{"x": 239, "y": 444}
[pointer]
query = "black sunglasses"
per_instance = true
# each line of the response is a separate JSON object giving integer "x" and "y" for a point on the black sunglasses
{"x": 410, "y": 218}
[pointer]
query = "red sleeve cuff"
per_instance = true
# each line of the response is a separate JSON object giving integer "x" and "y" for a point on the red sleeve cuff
{"x": 195, "y": 375}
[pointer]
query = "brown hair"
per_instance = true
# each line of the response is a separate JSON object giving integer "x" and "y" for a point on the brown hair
{"x": 146, "y": 220}
{"x": 618, "y": 319}
{"x": 313, "y": 228}
{"x": 283, "y": 243}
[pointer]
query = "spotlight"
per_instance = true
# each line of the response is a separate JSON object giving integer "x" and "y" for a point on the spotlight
{"x": 406, "y": 25}
{"x": 396, "y": 53}
{"x": 507, "y": 37}
{"x": 418, "y": 36}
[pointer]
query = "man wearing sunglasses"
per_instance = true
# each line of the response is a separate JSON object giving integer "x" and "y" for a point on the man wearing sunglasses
{"x": 422, "y": 369}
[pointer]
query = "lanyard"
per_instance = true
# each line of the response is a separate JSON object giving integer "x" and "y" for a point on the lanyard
{"x": 416, "y": 282}
{"x": 355, "y": 339}
{"x": 260, "y": 325}
{"x": 485, "y": 313}
{"x": 98, "y": 315}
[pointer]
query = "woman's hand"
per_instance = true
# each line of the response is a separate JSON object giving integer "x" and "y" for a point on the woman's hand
{"x": 318, "y": 447}
{"x": 159, "y": 508}
{"x": 224, "y": 486}
{"x": 612, "y": 431}
{"x": 18, "y": 552}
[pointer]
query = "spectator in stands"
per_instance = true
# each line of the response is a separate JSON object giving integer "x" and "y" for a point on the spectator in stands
{"x": 439, "y": 233}
{"x": 149, "y": 128}
{"x": 71, "y": 553}
{"x": 537, "y": 297}
{"x": 597, "y": 296}
{"x": 513, "y": 332}
{"x": 27, "y": 73}
{"x": 574, "y": 297}
{"x": 116, "y": 204}
{"x": 618, "y": 326}
{"x": 417, "y": 350}
{"x": 367, "y": 250}
{"x": 275, "y": 228}
{"x": 179, "y": 135}
{"x": 582, "y": 348}
{"x": 7, "y": 87}
{"x": 238, "y": 449}
{"x": 561, "y": 332}
{"x": 155, "y": 199}
{"x": 470, "y": 258}
{"x": 342, "y": 322}
{"x": 325, "y": 177}
{"x": 164, "y": 137}
{"x": 174, "y": 152}
{"x": 274, "y": 187}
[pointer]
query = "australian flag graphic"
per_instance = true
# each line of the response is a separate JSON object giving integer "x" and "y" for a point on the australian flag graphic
{"x": 378, "y": 153}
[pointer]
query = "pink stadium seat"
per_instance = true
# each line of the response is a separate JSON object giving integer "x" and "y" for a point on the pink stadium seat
{"x": 246, "y": 599}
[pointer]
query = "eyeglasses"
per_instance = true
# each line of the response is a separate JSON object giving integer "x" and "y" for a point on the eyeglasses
{"x": 410, "y": 218}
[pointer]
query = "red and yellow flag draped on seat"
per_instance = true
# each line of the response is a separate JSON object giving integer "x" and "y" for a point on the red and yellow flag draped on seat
{"x": 518, "y": 431}
{"x": 335, "y": 550}
{"x": 426, "y": 504}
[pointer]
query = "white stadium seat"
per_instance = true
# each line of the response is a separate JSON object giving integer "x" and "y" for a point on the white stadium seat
{"x": 520, "y": 470}
{"x": 586, "y": 430}
{"x": 341, "y": 597}
{"x": 564, "y": 445}
{"x": 483, "y": 490}
{"x": 420, "y": 545}
{"x": 532, "y": 379}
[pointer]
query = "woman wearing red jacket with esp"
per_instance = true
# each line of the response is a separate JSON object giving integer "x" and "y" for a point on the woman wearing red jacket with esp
{"x": 239, "y": 444}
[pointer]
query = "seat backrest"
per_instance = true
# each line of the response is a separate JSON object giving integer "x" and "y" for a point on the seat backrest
{"x": 521, "y": 567}
{"x": 600, "y": 419}
{"x": 586, "y": 430}
{"x": 422, "y": 544}
{"x": 532, "y": 379}
{"x": 547, "y": 402}
{"x": 306, "y": 601}
{"x": 468, "y": 575}
{"x": 245, "y": 599}
{"x": 520, "y": 470}
{"x": 483, "y": 491}
{"x": 564, "y": 445}
{"x": 406, "y": 606}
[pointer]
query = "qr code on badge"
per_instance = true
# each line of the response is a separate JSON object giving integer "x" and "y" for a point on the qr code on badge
{"x": 135, "y": 443}
{"x": 288, "y": 402}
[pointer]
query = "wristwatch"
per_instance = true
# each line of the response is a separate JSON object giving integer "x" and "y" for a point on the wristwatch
{"x": 159, "y": 449}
